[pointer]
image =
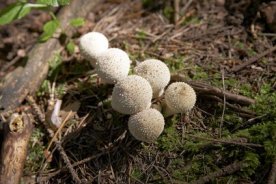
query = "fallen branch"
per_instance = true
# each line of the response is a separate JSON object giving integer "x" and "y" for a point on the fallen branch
{"x": 230, "y": 169}
{"x": 67, "y": 162}
{"x": 205, "y": 89}
{"x": 36, "y": 69}
{"x": 272, "y": 176}
{"x": 228, "y": 142}
{"x": 14, "y": 148}
{"x": 253, "y": 59}
{"x": 176, "y": 10}
{"x": 241, "y": 111}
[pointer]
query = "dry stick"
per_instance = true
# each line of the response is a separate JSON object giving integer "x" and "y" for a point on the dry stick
{"x": 231, "y": 106}
{"x": 67, "y": 162}
{"x": 230, "y": 169}
{"x": 176, "y": 10}
{"x": 14, "y": 148}
{"x": 224, "y": 105}
{"x": 53, "y": 174}
{"x": 14, "y": 60}
{"x": 206, "y": 89}
{"x": 272, "y": 176}
{"x": 58, "y": 130}
{"x": 187, "y": 5}
{"x": 110, "y": 148}
{"x": 228, "y": 142}
{"x": 36, "y": 108}
{"x": 253, "y": 59}
{"x": 37, "y": 66}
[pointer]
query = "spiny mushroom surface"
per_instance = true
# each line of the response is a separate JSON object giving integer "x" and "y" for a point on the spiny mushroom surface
{"x": 179, "y": 98}
{"x": 146, "y": 125}
{"x": 131, "y": 95}
{"x": 113, "y": 65}
{"x": 156, "y": 72}
{"x": 92, "y": 44}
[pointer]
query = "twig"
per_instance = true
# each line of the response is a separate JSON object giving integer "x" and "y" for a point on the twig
{"x": 53, "y": 174}
{"x": 228, "y": 142}
{"x": 231, "y": 106}
{"x": 58, "y": 130}
{"x": 230, "y": 169}
{"x": 253, "y": 59}
{"x": 108, "y": 149}
{"x": 186, "y": 6}
{"x": 206, "y": 89}
{"x": 14, "y": 60}
{"x": 272, "y": 175}
{"x": 224, "y": 105}
{"x": 36, "y": 108}
{"x": 176, "y": 10}
{"x": 68, "y": 163}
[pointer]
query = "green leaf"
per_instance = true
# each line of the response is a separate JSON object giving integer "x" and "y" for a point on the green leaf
{"x": 54, "y": 3}
{"x": 77, "y": 22}
{"x": 49, "y": 29}
{"x": 70, "y": 47}
{"x": 63, "y": 2}
{"x": 17, "y": 11}
{"x": 24, "y": 11}
{"x": 10, "y": 13}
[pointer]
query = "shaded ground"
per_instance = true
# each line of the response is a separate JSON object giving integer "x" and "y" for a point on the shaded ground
{"x": 203, "y": 46}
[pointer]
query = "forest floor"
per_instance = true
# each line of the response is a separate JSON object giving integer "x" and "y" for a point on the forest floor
{"x": 222, "y": 141}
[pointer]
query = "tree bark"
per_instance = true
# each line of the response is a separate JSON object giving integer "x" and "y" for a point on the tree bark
{"x": 14, "y": 148}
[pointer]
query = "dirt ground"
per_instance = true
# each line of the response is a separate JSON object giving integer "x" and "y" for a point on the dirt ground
{"x": 220, "y": 141}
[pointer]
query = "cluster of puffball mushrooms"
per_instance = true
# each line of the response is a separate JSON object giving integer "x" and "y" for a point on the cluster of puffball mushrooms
{"x": 133, "y": 94}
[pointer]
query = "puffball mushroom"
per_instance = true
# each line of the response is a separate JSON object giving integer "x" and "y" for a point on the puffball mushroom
{"x": 156, "y": 72}
{"x": 146, "y": 125}
{"x": 131, "y": 95}
{"x": 179, "y": 98}
{"x": 113, "y": 65}
{"x": 92, "y": 44}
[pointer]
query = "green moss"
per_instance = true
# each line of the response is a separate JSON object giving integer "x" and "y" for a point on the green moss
{"x": 168, "y": 12}
{"x": 200, "y": 73}
{"x": 137, "y": 174}
{"x": 170, "y": 139}
{"x": 251, "y": 162}
{"x": 141, "y": 35}
{"x": 179, "y": 174}
{"x": 193, "y": 20}
{"x": 36, "y": 152}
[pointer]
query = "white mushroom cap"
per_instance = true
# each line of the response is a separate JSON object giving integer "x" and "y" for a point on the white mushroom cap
{"x": 146, "y": 125}
{"x": 179, "y": 98}
{"x": 156, "y": 72}
{"x": 92, "y": 44}
{"x": 131, "y": 95}
{"x": 113, "y": 65}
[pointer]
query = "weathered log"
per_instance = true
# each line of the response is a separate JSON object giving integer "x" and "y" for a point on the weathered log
{"x": 37, "y": 66}
{"x": 14, "y": 148}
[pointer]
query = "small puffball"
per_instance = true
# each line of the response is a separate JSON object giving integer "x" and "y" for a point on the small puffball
{"x": 131, "y": 95}
{"x": 146, "y": 125}
{"x": 179, "y": 98}
{"x": 156, "y": 72}
{"x": 113, "y": 65}
{"x": 92, "y": 44}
